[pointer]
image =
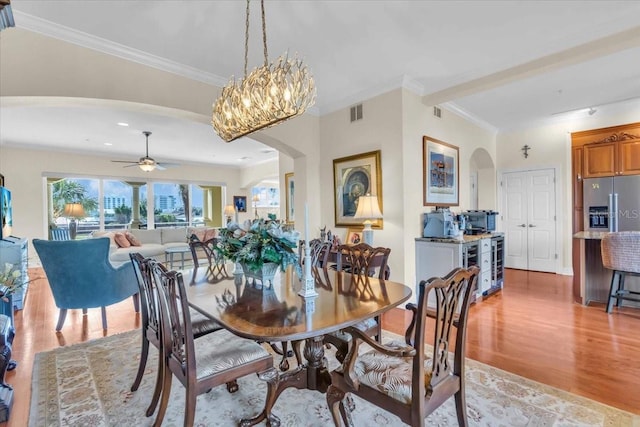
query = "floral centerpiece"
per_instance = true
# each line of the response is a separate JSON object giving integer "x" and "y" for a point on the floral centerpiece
{"x": 9, "y": 281}
{"x": 257, "y": 243}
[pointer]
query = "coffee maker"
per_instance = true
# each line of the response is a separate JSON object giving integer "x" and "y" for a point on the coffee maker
{"x": 439, "y": 223}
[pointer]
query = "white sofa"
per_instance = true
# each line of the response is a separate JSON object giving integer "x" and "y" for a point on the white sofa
{"x": 154, "y": 242}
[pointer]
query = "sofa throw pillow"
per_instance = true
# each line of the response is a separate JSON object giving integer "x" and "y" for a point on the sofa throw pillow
{"x": 121, "y": 240}
{"x": 133, "y": 240}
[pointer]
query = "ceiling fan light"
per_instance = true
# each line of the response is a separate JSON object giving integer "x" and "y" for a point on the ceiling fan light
{"x": 147, "y": 167}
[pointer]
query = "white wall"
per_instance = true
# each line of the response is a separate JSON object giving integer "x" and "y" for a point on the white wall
{"x": 418, "y": 120}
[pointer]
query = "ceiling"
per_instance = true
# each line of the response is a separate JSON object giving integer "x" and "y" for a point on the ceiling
{"x": 503, "y": 64}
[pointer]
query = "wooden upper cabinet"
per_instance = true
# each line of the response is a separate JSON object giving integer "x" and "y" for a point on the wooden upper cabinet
{"x": 629, "y": 157}
{"x": 599, "y": 160}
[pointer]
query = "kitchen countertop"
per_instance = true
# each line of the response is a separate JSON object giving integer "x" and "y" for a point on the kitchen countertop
{"x": 590, "y": 235}
{"x": 466, "y": 238}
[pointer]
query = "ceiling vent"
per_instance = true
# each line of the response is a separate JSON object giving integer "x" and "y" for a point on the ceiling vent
{"x": 437, "y": 112}
{"x": 356, "y": 112}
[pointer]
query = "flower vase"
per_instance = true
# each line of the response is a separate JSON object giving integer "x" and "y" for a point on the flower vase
{"x": 263, "y": 276}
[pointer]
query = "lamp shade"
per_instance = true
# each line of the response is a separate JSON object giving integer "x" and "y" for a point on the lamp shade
{"x": 368, "y": 208}
{"x": 74, "y": 210}
{"x": 229, "y": 210}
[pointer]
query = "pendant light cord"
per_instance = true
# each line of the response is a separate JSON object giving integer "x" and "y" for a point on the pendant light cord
{"x": 246, "y": 38}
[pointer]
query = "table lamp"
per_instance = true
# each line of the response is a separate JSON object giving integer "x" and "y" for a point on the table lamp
{"x": 73, "y": 211}
{"x": 230, "y": 211}
{"x": 368, "y": 209}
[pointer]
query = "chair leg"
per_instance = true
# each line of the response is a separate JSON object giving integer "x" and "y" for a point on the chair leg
{"x": 158, "y": 388}
{"x": 620, "y": 287}
{"x": 190, "y": 407}
{"x": 144, "y": 354}
{"x": 84, "y": 311}
{"x": 335, "y": 400}
{"x": 612, "y": 290}
{"x": 461, "y": 406}
{"x": 136, "y": 302}
{"x": 61, "y": 317}
{"x": 378, "y": 336}
{"x": 103, "y": 310}
{"x": 284, "y": 363}
{"x": 166, "y": 391}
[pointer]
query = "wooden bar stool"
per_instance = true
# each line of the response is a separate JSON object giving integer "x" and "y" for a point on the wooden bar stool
{"x": 621, "y": 253}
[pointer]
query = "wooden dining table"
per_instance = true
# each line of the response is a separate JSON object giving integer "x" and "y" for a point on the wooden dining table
{"x": 276, "y": 313}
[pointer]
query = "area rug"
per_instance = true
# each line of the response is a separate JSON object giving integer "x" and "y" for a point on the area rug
{"x": 88, "y": 385}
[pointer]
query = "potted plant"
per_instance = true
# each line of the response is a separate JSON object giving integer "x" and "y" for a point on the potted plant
{"x": 261, "y": 247}
{"x": 10, "y": 283}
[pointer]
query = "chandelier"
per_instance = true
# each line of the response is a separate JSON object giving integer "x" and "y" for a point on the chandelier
{"x": 270, "y": 94}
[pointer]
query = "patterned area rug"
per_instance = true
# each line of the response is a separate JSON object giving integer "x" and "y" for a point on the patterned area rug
{"x": 88, "y": 384}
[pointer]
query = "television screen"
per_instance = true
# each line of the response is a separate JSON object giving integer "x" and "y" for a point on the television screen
{"x": 6, "y": 216}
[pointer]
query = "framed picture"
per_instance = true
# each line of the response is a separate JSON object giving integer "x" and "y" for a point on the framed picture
{"x": 289, "y": 184}
{"x": 354, "y": 237}
{"x": 240, "y": 202}
{"x": 356, "y": 176}
{"x": 441, "y": 173}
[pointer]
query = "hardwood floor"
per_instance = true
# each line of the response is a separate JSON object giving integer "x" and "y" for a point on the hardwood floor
{"x": 532, "y": 328}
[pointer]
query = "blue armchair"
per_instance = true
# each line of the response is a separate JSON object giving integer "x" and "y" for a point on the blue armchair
{"x": 81, "y": 276}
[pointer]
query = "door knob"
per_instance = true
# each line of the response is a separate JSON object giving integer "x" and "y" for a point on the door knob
{"x": 531, "y": 225}
{"x": 522, "y": 225}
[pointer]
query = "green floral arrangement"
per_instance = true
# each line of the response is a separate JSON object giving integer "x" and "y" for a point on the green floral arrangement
{"x": 260, "y": 241}
{"x": 9, "y": 283}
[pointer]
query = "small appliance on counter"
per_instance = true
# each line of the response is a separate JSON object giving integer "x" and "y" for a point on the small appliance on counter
{"x": 439, "y": 223}
{"x": 480, "y": 222}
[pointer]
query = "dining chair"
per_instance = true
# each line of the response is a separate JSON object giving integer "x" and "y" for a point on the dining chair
{"x": 362, "y": 261}
{"x": 59, "y": 234}
{"x": 203, "y": 363}
{"x": 399, "y": 377}
{"x": 151, "y": 331}
{"x": 621, "y": 253}
{"x": 217, "y": 266}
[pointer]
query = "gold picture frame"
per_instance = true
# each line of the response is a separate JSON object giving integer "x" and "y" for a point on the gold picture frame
{"x": 354, "y": 236}
{"x": 440, "y": 173}
{"x": 289, "y": 184}
{"x": 355, "y": 176}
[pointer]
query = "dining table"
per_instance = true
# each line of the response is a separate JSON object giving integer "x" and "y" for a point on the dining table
{"x": 275, "y": 312}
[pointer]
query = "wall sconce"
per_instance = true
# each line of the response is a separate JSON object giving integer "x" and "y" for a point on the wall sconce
{"x": 525, "y": 151}
{"x": 368, "y": 209}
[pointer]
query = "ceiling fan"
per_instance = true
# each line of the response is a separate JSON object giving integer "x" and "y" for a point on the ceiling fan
{"x": 146, "y": 163}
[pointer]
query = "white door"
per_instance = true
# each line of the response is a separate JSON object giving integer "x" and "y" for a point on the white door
{"x": 530, "y": 220}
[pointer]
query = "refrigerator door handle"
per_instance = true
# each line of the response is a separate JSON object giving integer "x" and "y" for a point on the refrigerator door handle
{"x": 615, "y": 212}
{"x": 610, "y": 213}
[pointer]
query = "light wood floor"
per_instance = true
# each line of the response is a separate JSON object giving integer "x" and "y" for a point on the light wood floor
{"x": 531, "y": 328}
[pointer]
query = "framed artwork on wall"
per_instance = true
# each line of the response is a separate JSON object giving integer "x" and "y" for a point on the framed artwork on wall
{"x": 289, "y": 184}
{"x": 355, "y": 176}
{"x": 441, "y": 173}
{"x": 240, "y": 202}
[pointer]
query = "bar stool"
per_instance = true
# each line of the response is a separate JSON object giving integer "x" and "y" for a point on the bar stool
{"x": 621, "y": 253}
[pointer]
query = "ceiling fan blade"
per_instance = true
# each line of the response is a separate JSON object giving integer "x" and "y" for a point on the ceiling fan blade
{"x": 124, "y": 161}
{"x": 160, "y": 167}
{"x": 131, "y": 165}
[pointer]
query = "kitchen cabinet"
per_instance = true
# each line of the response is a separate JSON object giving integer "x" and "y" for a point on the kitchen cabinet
{"x": 437, "y": 257}
{"x": 612, "y": 158}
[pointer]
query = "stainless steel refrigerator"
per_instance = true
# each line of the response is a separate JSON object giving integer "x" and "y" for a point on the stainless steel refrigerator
{"x": 612, "y": 203}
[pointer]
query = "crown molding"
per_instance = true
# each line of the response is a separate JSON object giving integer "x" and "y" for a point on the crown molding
{"x": 455, "y": 108}
{"x": 61, "y": 32}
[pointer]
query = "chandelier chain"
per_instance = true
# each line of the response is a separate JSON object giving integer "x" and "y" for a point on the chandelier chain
{"x": 246, "y": 41}
{"x": 264, "y": 35}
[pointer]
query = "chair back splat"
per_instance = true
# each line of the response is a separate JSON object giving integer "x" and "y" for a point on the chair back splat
{"x": 419, "y": 384}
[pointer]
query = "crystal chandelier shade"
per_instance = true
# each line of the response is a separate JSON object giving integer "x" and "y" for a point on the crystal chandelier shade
{"x": 270, "y": 94}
